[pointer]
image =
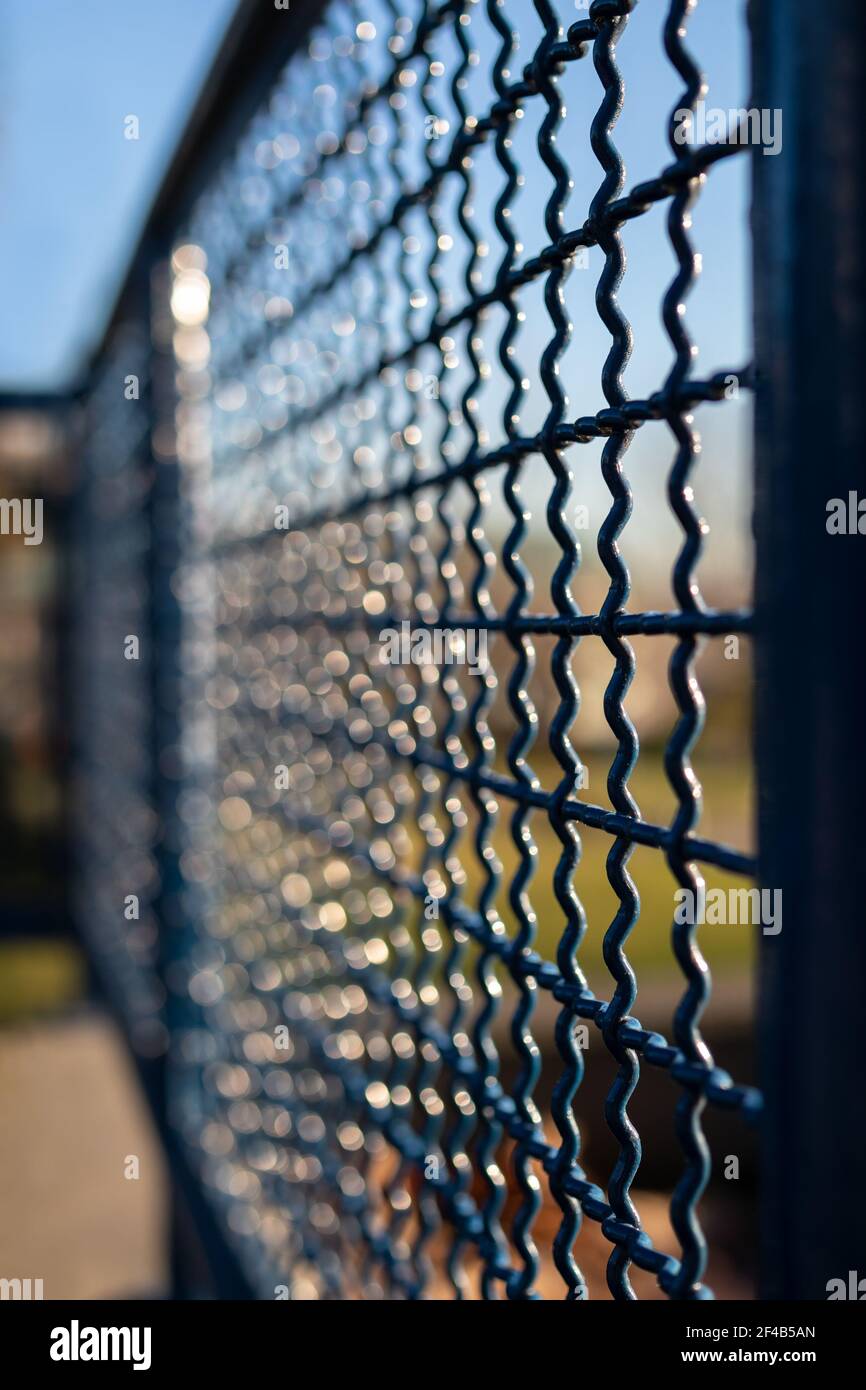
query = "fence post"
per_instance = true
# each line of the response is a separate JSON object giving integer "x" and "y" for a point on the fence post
{"x": 810, "y": 308}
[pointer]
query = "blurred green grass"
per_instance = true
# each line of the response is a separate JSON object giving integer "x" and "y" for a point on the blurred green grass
{"x": 37, "y": 977}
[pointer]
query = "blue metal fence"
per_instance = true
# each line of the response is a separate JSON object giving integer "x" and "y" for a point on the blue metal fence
{"x": 368, "y": 844}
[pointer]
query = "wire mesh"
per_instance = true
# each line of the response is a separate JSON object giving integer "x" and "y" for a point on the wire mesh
{"x": 114, "y": 819}
{"x": 381, "y": 816}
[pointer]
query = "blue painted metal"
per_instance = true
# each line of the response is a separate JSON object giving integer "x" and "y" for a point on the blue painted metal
{"x": 389, "y": 1147}
{"x": 810, "y": 737}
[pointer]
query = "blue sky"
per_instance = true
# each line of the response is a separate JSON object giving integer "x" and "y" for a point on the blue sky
{"x": 75, "y": 192}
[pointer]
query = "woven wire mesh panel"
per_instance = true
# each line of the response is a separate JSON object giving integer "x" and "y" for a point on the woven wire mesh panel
{"x": 114, "y": 820}
{"x": 385, "y": 800}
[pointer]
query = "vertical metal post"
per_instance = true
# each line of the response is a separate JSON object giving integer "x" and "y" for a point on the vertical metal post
{"x": 810, "y": 301}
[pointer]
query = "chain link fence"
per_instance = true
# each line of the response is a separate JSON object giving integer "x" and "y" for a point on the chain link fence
{"x": 363, "y": 826}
